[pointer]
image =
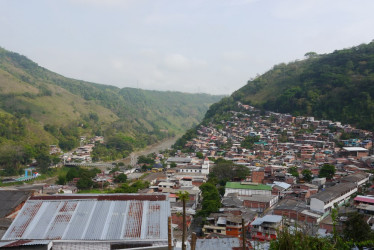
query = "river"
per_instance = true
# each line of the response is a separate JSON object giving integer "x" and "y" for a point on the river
{"x": 154, "y": 148}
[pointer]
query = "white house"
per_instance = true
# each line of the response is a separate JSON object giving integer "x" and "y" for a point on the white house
{"x": 324, "y": 200}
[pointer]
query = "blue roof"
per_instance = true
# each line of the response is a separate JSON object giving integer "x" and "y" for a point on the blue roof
{"x": 267, "y": 218}
{"x": 282, "y": 184}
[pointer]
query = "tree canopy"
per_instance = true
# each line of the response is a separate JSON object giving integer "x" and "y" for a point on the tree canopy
{"x": 327, "y": 170}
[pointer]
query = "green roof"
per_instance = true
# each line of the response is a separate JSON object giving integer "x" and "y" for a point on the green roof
{"x": 252, "y": 186}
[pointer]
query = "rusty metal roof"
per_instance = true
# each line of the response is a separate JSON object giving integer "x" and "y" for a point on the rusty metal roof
{"x": 96, "y": 217}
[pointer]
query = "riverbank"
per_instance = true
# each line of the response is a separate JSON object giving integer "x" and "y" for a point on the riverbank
{"x": 154, "y": 148}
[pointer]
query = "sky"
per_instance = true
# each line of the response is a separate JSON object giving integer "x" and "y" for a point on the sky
{"x": 197, "y": 46}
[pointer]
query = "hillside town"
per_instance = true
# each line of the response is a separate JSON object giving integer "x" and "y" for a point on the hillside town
{"x": 298, "y": 170}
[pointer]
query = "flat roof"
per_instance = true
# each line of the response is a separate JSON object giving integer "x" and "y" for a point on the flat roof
{"x": 353, "y": 149}
{"x": 252, "y": 186}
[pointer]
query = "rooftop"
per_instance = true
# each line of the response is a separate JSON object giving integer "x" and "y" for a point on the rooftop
{"x": 92, "y": 217}
{"x": 334, "y": 191}
{"x": 353, "y": 149}
{"x": 247, "y": 185}
{"x": 267, "y": 218}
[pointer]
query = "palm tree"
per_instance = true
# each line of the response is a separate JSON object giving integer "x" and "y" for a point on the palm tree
{"x": 184, "y": 196}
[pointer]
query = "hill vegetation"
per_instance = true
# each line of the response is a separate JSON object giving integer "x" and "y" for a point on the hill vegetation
{"x": 38, "y": 106}
{"x": 336, "y": 86}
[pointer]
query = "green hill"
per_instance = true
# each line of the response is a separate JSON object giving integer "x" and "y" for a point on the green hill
{"x": 40, "y": 106}
{"x": 336, "y": 86}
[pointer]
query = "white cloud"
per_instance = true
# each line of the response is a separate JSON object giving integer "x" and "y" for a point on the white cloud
{"x": 181, "y": 63}
{"x": 105, "y": 3}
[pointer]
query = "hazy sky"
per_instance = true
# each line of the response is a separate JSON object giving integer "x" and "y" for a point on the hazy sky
{"x": 211, "y": 46}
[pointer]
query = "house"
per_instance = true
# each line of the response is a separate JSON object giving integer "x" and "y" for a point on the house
{"x": 358, "y": 178}
{"x": 265, "y": 228}
{"x": 247, "y": 188}
{"x": 11, "y": 201}
{"x": 228, "y": 223}
{"x": 326, "y": 199}
{"x": 297, "y": 211}
{"x": 364, "y": 204}
{"x": 356, "y": 152}
{"x": 259, "y": 202}
{"x": 220, "y": 243}
{"x": 178, "y": 160}
{"x": 91, "y": 222}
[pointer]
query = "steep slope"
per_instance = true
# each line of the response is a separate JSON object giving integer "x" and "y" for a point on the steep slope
{"x": 337, "y": 86}
{"x": 50, "y": 108}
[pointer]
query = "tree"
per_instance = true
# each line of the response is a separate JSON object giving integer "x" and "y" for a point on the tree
{"x": 121, "y": 178}
{"x": 307, "y": 175}
{"x": 61, "y": 180}
{"x": 68, "y": 143}
{"x": 145, "y": 160}
{"x": 12, "y": 157}
{"x": 293, "y": 171}
{"x": 311, "y": 54}
{"x": 356, "y": 228}
{"x": 249, "y": 141}
{"x": 327, "y": 170}
{"x": 199, "y": 155}
{"x": 44, "y": 160}
{"x": 184, "y": 196}
{"x": 225, "y": 171}
{"x": 72, "y": 173}
{"x": 173, "y": 165}
{"x": 211, "y": 199}
{"x": 84, "y": 182}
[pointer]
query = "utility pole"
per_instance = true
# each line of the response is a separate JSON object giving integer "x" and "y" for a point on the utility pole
{"x": 169, "y": 234}
{"x": 243, "y": 233}
{"x": 193, "y": 241}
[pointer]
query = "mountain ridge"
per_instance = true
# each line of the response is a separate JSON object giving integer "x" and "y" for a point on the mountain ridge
{"x": 335, "y": 86}
{"x": 56, "y": 108}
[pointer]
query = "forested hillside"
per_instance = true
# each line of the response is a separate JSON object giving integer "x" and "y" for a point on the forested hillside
{"x": 337, "y": 86}
{"x": 39, "y": 106}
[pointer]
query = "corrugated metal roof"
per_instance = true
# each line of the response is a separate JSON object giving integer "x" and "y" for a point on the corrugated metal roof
{"x": 10, "y": 199}
{"x": 282, "y": 184}
{"x": 91, "y": 219}
{"x": 23, "y": 243}
{"x": 218, "y": 244}
{"x": 367, "y": 199}
{"x": 267, "y": 218}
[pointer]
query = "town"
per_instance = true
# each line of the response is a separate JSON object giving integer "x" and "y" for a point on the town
{"x": 236, "y": 183}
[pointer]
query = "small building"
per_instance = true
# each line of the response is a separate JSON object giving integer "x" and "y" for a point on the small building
{"x": 220, "y": 243}
{"x": 297, "y": 211}
{"x": 358, "y": 178}
{"x": 259, "y": 202}
{"x": 325, "y": 199}
{"x": 265, "y": 228}
{"x": 178, "y": 160}
{"x": 247, "y": 188}
{"x": 356, "y": 152}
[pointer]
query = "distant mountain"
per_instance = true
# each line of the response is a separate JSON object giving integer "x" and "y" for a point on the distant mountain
{"x": 40, "y": 106}
{"x": 337, "y": 86}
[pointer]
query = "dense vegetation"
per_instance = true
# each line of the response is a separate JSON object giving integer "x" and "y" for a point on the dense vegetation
{"x": 354, "y": 233}
{"x": 39, "y": 106}
{"x": 337, "y": 86}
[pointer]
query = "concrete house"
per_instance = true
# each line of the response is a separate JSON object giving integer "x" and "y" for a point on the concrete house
{"x": 324, "y": 201}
